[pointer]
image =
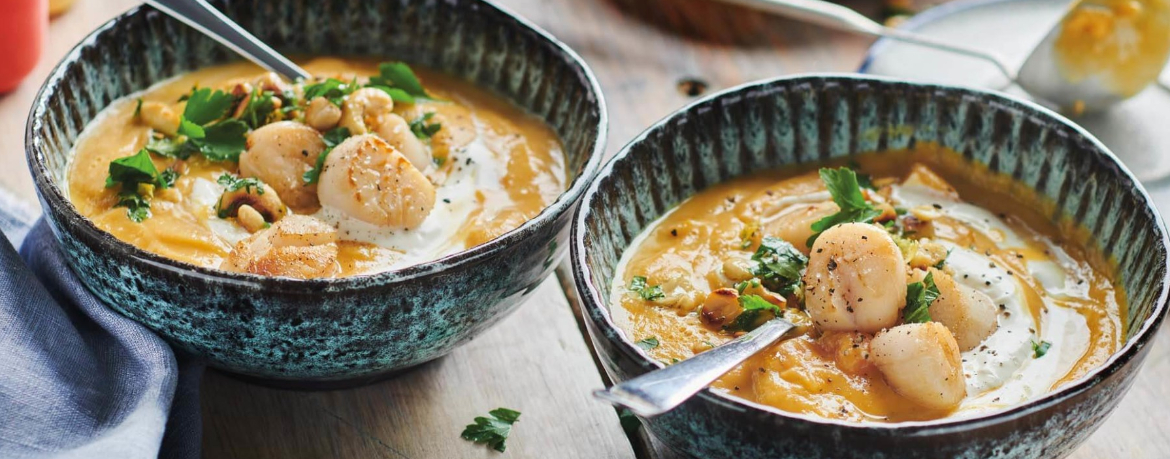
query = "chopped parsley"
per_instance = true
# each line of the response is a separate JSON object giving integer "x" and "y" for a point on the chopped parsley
{"x": 649, "y": 293}
{"x": 332, "y": 138}
{"x": 1039, "y": 349}
{"x": 846, "y": 192}
{"x": 493, "y": 431}
{"x": 137, "y": 178}
{"x": 171, "y": 147}
{"x": 780, "y": 265}
{"x": 755, "y": 309}
{"x": 399, "y": 81}
{"x": 206, "y": 131}
{"x": 233, "y": 183}
{"x": 919, "y": 296}
{"x": 259, "y": 110}
{"x": 423, "y": 128}
{"x": 648, "y": 343}
{"x": 743, "y": 285}
{"x": 332, "y": 89}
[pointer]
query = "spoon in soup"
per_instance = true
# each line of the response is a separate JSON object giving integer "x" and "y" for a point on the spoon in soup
{"x": 662, "y": 390}
{"x": 209, "y": 21}
{"x": 1100, "y": 53}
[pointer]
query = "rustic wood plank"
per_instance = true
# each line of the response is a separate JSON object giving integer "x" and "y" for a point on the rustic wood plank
{"x": 535, "y": 362}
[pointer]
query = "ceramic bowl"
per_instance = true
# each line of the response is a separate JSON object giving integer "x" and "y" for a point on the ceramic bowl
{"x": 815, "y": 118}
{"x": 336, "y": 331}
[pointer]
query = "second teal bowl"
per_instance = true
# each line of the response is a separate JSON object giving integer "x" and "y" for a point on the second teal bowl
{"x": 812, "y": 119}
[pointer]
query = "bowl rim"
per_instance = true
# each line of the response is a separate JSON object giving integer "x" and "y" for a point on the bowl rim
{"x": 52, "y": 195}
{"x": 593, "y": 311}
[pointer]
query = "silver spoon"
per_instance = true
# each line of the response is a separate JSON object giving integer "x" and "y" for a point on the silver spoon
{"x": 662, "y": 390}
{"x": 1039, "y": 76}
{"x": 201, "y": 16}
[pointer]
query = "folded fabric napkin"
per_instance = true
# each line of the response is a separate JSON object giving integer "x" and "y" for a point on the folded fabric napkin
{"x": 78, "y": 380}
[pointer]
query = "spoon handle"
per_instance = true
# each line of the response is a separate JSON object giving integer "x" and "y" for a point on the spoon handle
{"x": 662, "y": 390}
{"x": 843, "y": 18}
{"x": 201, "y": 16}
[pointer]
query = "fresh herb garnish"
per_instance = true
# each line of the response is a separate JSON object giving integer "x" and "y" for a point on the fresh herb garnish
{"x": 259, "y": 109}
{"x": 423, "y": 128}
{"x": 1039, "y": 349}
{"x": 138, "y": 108}
{"x": 233, "y": 183}
{"x": 224, "y": 141}
{"x": 780, "y": 265}
{"x": 332, "y": 89}
{"x": 943, "y": 262}
{"x": 205, "y": 106}
{"x": 494, "y": 430}
{"x": 843, "y": 187}
{"x": 200, "y": 123}
{"x": 171, "y": 147}
{"x": 137, "y": 177}
{"x": 648, "y": 343}
{"x": 743, "y": 285}
{"x": 332, "y": 138}
{"x": 755, "y": 309}
{"x": 399, "y": 81}
{"x": 919, "y": 296}
{"x": 649, "y": 293}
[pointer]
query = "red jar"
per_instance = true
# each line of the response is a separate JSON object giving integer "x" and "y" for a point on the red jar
{"x": 23, "y": 25}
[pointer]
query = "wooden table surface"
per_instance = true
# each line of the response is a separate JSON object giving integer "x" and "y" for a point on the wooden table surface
{"x": 538, "y": 361}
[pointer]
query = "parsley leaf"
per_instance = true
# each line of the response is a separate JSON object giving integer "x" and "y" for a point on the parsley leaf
{"x": 232, "y": 183}
{"x": 648, "y": 343}
{"x": 223, "y": 141}
{"x": 205, "y": 106}
{"x": 843, "y": 186}
{"x": 494, "y": 430}
{"x": 132, "y": 170}
{"x": 919, "y": 296}
{"x": 259, "y": 109}
{"x": 332, "y": 89}
{"x": 171, "y": 147}
{"x": 649, "y": 293}
{"x": 753, "y": 315}
{"x": 332, "y": 138}
{"x": 1040, "y": 349}
{"x": 780, "y": 265}
{"x": 397, "y": 75}
{"x": 137, "y": 177}
{"x": 137, "y": 207}
{"x": 422, "y": 128}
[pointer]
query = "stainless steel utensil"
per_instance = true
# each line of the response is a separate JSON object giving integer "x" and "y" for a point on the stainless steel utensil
{"x": 662, "y": 390}
{"x": 201, "y": 16}
{"x": 1039, "y": 76}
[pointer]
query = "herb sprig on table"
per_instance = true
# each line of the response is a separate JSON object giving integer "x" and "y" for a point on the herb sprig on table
{"x": 494, "y": 430}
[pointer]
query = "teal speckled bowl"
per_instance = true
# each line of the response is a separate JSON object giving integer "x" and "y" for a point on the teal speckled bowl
{"x": 815, "y": 118}
{"x": 337, "y": 331}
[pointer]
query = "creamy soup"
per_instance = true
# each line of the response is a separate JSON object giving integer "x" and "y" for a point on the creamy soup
{"x": 367, "y": 168}
{"x": 921, "y": 289}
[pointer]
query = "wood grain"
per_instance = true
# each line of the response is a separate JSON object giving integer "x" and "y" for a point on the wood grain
{"x": 537, "y": 360}
{"x": 534, "y": 361}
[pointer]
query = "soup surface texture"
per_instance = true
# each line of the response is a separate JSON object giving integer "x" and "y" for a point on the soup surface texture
{"x": 921, "y": 289}
{"x": 367, "y": 168}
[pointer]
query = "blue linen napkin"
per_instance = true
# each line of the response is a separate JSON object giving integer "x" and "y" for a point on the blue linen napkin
{"x": 78, "y": 380}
